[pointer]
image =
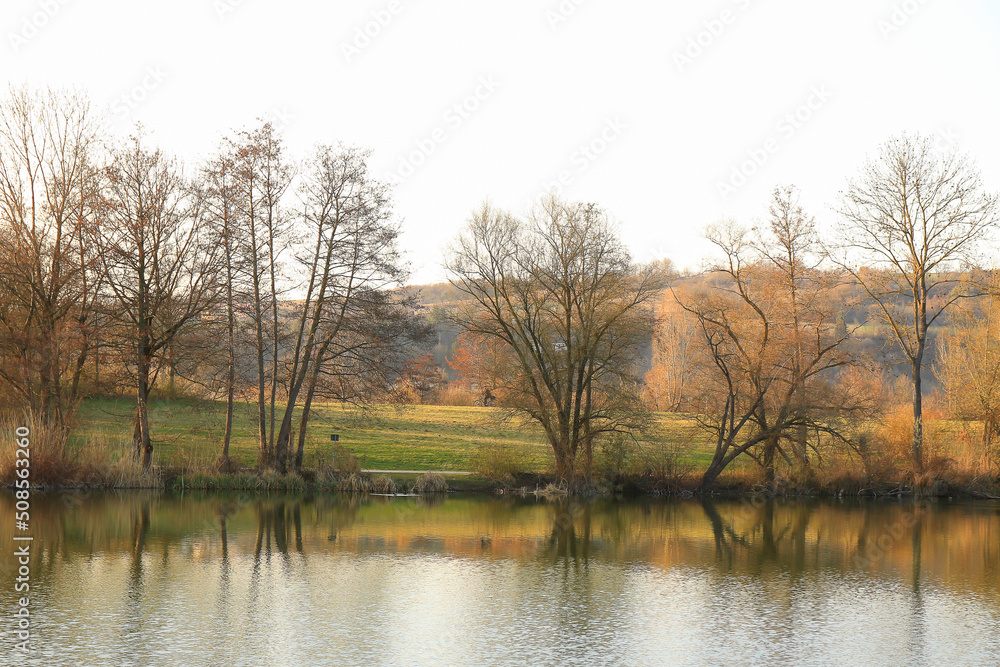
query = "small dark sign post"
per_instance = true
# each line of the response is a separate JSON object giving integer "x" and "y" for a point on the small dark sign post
{"x": 334, "y": 437}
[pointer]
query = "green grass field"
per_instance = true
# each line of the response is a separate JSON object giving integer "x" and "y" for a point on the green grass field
{"x": 187, "y": 437}
{"x": 418, "y": 437}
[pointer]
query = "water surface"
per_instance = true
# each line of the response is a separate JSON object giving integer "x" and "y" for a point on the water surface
{"x": 148, "y": 579}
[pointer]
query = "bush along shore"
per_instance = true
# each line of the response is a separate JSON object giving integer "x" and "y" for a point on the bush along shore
{"x": 495, "y": 465}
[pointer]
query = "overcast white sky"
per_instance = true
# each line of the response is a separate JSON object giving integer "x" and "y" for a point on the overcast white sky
{"x": 670, "y": 97}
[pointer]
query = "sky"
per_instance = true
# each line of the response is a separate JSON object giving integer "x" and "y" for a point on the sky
{"x": 671, "y": 115}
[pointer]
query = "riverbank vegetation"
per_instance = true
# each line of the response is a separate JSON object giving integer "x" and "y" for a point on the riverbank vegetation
{"x": 246, "y": 324}
{"x": 500, "y": 455}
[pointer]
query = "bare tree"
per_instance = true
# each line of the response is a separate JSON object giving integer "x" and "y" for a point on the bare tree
{"x": 667, "y": 384}
{"x": 364, "y": 360}
{"x": 261, "y": 178}
{"x": 49, "y": 277}
{"x": 481, "y": 364}
{"x": 559, "y": 291}
{"x": 969, "y": 367}
{"x": 161, "y": 263}
{"x": 763, "y": 375}
{"x": 274, "y": 177}
{"x": 914, "y": 222}
{"x": 790, "y": 245}
{"x": 219, "y": 196}
{"x": 351, "y": 257}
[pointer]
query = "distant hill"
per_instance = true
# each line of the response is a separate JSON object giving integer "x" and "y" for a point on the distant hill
{"x": 436, "y": 294}
{"x": 871, "y": 336}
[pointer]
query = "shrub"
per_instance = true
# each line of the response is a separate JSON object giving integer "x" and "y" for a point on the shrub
{"x": 47, "y": 450}
{"x": 615, "y": 456}
{"x": 430, "y": 483}
{"x": 326, "y": 478}
{"x": 355, "y": 483}
{"x": 452, "y": 394}
{"x": 662, "y": 461}
{"x": 877, "y": 455}
{"x": 498, "y": 461}
{"x": 383, "y": 484}
{"x": 345, "y": 462}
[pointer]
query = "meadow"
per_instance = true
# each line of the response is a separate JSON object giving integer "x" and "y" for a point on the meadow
{"x": 482, "y": 448}
{"x": 187, "y": 433}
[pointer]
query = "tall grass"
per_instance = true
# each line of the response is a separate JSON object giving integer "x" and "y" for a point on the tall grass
{"x": 102, "y": 461}
{"x": 429, "y": 483}
{"x": 355, "y": 483}
{"x": 498, "y": 461}
{"x": 206, "y": 480}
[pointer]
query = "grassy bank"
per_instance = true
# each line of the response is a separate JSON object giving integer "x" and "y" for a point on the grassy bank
{"x": 187, "y": 434}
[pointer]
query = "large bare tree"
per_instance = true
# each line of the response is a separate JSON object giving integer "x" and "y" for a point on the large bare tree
{"x": 261, "y": 177}
{"x": 560, "y": 292}
{"x": 50, "y": 278}
{"x": 764, "y": 366}
{"x": 914, "y": 223}
{"x": 349, "y": 328}
{"x": 220, "y": 198}
{"x": 789, "y": 243}
{"x": 161, "y": 263}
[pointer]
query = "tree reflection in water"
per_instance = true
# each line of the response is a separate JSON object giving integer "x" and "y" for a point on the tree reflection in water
{"x": 922, "y": 576}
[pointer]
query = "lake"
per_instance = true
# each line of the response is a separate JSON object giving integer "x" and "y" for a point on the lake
{"x": 209, "y": 579}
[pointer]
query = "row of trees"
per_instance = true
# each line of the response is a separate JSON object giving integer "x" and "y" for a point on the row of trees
{"x": 254, "y": 276}
{"x": 257, "y": 277}
{"x": 759, "y": 347}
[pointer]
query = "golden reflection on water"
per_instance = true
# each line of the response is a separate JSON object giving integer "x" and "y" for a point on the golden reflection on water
{"x": 318, "y": 570}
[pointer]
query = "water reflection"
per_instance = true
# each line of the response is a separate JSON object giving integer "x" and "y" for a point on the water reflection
{"x": 152, "y": 579}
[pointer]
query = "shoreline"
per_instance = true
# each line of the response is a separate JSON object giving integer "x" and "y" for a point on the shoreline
{"x": 465, "y": 482}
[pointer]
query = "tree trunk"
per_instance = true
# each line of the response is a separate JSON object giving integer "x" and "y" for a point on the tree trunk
{"x": 231, "y": 369}
{"x": 304, "y": 421}
{"x": 279, "y": 451}
{"x": 563, "y": 460}
{"x": 918, "y": 421}
{"x": 588, "y": 440}
{"x": 802, "y": 431}
{"x": 295, "y": 385}
{"x": 143, "y": 444}
{"x": 770, "y": 447}
{"x": 265, "y": 453}
{"x": 711, "y": 474}
{"x": 303, "y": 424}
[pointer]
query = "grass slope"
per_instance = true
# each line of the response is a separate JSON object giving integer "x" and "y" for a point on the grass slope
{"x": 418, "y": 437}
